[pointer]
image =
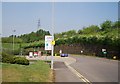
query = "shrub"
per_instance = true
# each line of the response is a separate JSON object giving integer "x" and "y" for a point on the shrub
{"x": 57, "y": 54}
{"x": 17, "y": 52}
{"x": 7, "y": 58}
{"x": 21, "y": 60}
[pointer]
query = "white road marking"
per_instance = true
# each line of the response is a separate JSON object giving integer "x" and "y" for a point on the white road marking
{"x": 79, "y": 75}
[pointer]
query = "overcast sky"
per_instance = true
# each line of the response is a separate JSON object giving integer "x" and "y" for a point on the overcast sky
{"x": 23, "y": 16}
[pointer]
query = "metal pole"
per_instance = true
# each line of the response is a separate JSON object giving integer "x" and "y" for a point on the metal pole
{"x": 13, "y": 44}
{"x": 52, "y": 51}
{"x": 13, "y": 40}
{"x": 21, "y": 51}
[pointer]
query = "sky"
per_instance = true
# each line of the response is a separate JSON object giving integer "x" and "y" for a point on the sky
{"x": 23, "y": 16}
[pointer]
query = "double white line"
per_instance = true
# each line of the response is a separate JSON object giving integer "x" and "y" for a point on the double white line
{"x": 79, "y": 75}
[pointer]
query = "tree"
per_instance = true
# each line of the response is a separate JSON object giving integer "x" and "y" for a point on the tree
{"x": 90, "y": 30}
{"x": 71, "y": 33}
{"x": 34, "y": 36}
{"x": 80, "y": 32}
{"x": 116, "y": 24}
{"x": 107, "y": 25}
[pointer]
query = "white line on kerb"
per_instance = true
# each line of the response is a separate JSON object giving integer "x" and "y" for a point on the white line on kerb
{"x": 79, "y": 75}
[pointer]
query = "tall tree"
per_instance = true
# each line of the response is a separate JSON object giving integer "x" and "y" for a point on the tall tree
{"x": 90, "y": 30}
{"x": 106, "y": 25}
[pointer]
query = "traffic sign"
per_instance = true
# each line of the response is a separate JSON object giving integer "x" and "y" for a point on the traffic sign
{"x": 103, "y": 50}
{"x": 48, "y": 40}
{"x": 53, "y": 43}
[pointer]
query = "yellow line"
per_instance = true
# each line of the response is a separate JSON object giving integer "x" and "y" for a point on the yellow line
{"x": 79, "y": 75}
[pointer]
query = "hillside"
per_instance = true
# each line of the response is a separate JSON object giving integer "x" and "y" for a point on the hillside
{"x": 26, "y": 38}
{"x": 91, "y": 39}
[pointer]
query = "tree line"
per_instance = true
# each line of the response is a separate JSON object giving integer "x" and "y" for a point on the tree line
{"x": 106, "y": 28}
{"x": 106, "y": 34}
{"x": 27, "y": 38}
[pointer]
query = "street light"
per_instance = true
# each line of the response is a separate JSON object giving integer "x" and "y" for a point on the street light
{"x": 52, "y": 51}
{"x": 13, "y": 40}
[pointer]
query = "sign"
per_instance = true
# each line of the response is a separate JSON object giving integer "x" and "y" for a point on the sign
{"x": 81, "y": 51}
{"x": 35, "y": 53}
{"x": 30, "y": 54}
{"x": 48, "y": 40}
{"x": 53, "y": 43}
{"x": 60, "y": 51}
{"x": 39, "y": 53}
{"x": 103, "y": 50}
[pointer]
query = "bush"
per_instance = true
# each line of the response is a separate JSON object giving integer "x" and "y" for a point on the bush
{"x": 7, "y": 58}
{"x": 56, "y": 54}
{"x": 21, "y": 60}
{"x": 16, "y": 52}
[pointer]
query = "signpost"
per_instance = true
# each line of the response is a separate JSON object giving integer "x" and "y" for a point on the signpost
{"x": 53, "y": 42}
{"x": 49, "y": 45}
{"x": 104, "y": 52}
{"x": 48, "y": 40}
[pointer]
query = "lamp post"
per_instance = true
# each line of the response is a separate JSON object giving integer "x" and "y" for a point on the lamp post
{"x": 52, "y": 51}
{"x": 13, "y": 40}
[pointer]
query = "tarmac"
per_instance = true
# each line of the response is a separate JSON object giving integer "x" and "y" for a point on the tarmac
{"x": 62, "y": 72}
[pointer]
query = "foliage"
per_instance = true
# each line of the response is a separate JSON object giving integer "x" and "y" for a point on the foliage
{"x": 65, "y": 34}
{"x": 34, "y": 36}
{"x": 8, "y": 47}
{"x": 10, "y": 40}
{"x": 107, "y": 25}
{"x": 7, "y": 58}
{"x": 89, "y": 30}
{"x": 107, "y": 34}
{"x": 87, "y": 39}
{"x": 116, "y": 24}
{"x": 33, "y": 44}
{"x": 21, "y": 60}
{"x": 56, "y": 54}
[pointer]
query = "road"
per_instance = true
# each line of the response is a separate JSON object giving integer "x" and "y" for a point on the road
{"x": 79, "y": 68}
{"x": 96, "y": 69}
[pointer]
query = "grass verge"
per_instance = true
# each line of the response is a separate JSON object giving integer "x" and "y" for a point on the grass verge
{"x": 39, "y": 71}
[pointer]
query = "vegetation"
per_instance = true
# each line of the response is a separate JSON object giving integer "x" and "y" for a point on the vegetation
{"x": 26, "y": 38}
{"x": 34, "y": 36}
{"x": 38, "y": 71}
{"x": 104, "y": 35}
{"x": 10, "y": 46}
{"x": 89, "y": 30}
{"x": 10, "y": 39}
{"x": 14, "y": 60}
{"x": 92, "y": 34}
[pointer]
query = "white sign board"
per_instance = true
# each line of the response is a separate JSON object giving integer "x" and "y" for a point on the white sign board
{"x": 103, "y": 50}
{"x": 30, "y": 54}
{"x": 48, "y": 40}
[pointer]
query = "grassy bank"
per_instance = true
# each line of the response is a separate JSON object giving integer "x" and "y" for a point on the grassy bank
{"x": 38, "y": 71}
{"x": 10, "y": 46}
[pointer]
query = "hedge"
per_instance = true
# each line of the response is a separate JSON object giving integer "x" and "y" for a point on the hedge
{"x": 7, "y": 58}
{"x": 102, "y": 40}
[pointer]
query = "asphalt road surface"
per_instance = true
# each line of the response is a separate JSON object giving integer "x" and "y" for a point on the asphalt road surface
{"x": 63, "y": 74}
{"x": 96, "y": 69}
{"x": 78, "y": 68}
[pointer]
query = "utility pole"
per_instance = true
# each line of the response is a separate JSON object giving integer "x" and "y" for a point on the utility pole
{"x": 13, "y": 40}
{"x": 38, "y": 28}
{"x": 39, "y": 25}
{"x": 52, "y": 51}
{"x": 20, "y": 50}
